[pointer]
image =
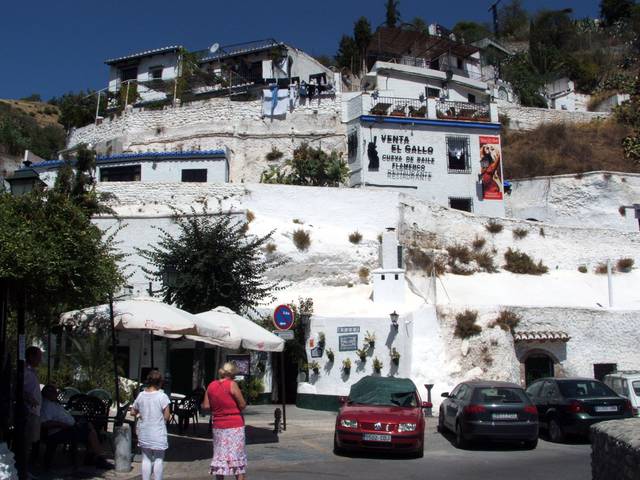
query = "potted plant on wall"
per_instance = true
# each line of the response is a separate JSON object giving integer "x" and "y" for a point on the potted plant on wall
{"x": 346, "y": 366}
{"x": 330, "y": 355}
{"x": 370, "y": 339}
{"x": 314, "y": 367}
{"x": 377, "y": 365}
{"x": 321, "y": 339}
{"x": 395, "y": 356}
{"x": 362, "y": 354}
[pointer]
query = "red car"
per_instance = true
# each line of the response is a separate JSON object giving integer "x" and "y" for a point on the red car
{"x": 381, "y": 414}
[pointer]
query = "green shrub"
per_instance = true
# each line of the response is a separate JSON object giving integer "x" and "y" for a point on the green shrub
{"x": 507, "y": 321}
{"x": 520, "y": 233}
{"x": 520, "y": 262}
{"x": 466, "y": 324}
{"x": 301, "y": 239}
{"x": 582, "y": 269}
{"x": 478, "y": 243}
{"x": 624, "y": 264}
{"x": 355, "y": 237}
{"x": 251, "y": 388}
{"x": 274, "y": 154}
{"x": 493, "y": 227}
{"x": 297, "y": 221}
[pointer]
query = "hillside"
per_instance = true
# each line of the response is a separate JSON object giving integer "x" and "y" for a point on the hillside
{"x": 30, "y": 126}
{"x": 555, "y": 149}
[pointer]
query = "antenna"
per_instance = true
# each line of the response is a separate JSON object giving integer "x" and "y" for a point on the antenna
{"x": 214, "y": 48}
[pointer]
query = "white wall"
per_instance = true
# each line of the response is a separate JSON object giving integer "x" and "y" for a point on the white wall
{"x": 588, "y": 200}
{"x": 526, "y": 118}
{"x": 441, "y": 185}
{"x": 164, "y": 170}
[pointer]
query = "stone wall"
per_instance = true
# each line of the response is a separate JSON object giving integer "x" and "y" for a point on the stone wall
{"x": 526, "y": 118}
{"x": 220, "y": 123}
{"x": 615, "y": 450}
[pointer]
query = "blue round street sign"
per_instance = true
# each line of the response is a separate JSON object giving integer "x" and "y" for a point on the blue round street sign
{"x": 283, "y": 317}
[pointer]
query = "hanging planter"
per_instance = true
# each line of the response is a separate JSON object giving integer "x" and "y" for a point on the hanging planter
{"x": 370, "y": 340}
{"x": 330, "y": 355}
{"x": 377, "y": 365}
{"x": 321, "y": 339}
{"x": 314, "y": 367}
{"x": 346, "y": 366}
{"x": 395, "y": 356}
{"x": 362, "y": 354}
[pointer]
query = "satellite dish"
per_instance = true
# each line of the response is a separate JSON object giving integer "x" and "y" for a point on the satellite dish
{"x": 214, "y": 48}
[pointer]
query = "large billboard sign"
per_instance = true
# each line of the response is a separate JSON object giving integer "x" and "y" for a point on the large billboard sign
{"x": 491, "y": 168}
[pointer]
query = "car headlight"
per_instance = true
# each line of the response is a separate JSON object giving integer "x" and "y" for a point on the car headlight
{"x": 345, "y": 422}
{"x": 406, "y": 427}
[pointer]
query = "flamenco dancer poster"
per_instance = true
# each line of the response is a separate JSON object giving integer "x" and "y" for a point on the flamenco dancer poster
{"x": 491, "y": 168}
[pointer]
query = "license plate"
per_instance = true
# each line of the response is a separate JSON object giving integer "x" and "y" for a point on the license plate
{"x": 376, "y": 437}
{"x": 607, "y": 408}
{"x": 504, "y": 416}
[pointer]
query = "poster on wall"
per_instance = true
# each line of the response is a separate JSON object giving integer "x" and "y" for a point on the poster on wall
{"x": 242, "y": 363}
{"x": 490, "y": 168}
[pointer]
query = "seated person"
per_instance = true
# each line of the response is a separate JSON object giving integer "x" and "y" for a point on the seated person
{"x": 61, "y": 427}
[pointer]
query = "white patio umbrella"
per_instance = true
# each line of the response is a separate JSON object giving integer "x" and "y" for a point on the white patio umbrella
{"x": 242, "y": 332}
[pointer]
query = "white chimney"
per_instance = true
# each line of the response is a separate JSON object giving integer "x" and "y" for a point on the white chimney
{"x": 388, "y": 280}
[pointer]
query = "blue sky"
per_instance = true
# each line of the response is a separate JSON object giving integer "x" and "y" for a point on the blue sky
{"x": 54, "y": 46}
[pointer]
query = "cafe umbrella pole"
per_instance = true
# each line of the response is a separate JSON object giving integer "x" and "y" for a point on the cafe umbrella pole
{"x": 282, "y": 388}
{"x": 115, "y": 353}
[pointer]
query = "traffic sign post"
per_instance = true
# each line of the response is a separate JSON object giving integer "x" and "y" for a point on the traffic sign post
{"x": 283, "y": 320}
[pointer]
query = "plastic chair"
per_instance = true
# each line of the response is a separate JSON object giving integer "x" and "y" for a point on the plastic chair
{"x": 102, "y": 395}
{"x": 65, "y": 394}
{"x": 93, "y": 409}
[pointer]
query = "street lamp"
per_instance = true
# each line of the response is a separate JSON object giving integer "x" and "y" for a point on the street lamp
{"x": 394, "y": 319}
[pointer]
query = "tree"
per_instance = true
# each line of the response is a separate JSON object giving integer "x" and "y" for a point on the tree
{"x": 310, "y": 166}
{"x": 525, "y": 79}
{"x": 20, "y": 132}
{"x": 347, "y": 56}
{"x": 392, "y": 13}
{"x": 417, "y": 25}
{"x": 552, "y": 41}
{"x": 49, "y": 245}
{"x": 362, "y": 37}
{"x": 214, "y": 263}
{"x": 469, "y": 32}
{"x": 513, "y": 21}
{"x": 78, "y": 109}
{"x": 613, "y": 11}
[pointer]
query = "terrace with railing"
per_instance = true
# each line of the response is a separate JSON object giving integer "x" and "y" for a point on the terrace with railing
{"x": 430, "y": 108}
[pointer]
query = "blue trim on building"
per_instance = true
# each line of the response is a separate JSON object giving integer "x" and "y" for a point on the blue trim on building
{"x": 123, "y": 157}
{"x": 433, "y": 123}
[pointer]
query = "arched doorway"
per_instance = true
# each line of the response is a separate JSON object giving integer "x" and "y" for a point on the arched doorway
{"x": 538, "y": 365}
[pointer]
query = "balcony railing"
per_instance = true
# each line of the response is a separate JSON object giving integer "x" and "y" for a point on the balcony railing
{"x": 399, "y": 107}
{"x": 477, "y": 112}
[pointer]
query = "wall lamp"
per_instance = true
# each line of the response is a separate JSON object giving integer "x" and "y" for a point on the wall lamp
{"x": 394, "y": 319}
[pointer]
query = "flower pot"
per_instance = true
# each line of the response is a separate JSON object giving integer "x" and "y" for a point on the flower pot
{"x": 316, "y": 371}
{"x": 396, "y": 361}
{"x": 346, "y": 371}
{"x": 372, "y": 345}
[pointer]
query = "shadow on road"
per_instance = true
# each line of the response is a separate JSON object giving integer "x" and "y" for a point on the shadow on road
{"x": 485, "y": 445}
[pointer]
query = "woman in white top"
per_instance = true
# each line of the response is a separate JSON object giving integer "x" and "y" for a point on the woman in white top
{"x": 152, "y": 409}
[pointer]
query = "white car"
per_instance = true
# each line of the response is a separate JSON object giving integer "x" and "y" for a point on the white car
{"x": 627, "y": 384}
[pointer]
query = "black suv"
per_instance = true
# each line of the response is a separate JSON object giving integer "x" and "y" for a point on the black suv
{"x": 569, "y": 406}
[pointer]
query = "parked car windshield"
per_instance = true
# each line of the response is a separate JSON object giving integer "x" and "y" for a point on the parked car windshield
{"x": 636, "y": 386}
{"x": 584, "y": 388}
{"x": 384, "y": 391}
{"x": 500, "y": 395}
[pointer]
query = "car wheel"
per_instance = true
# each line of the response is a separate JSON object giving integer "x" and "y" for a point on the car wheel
{"x": 556, "y": 434}
{"x": 420, "y": 452}
{"x": 531, "y": 444}
{"x": 336, "y": 449}
{"x": 441, "y": 428}
{"x": 461, "y": 442}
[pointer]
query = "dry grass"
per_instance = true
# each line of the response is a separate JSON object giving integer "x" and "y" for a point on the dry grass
{"x": 485, "y": 262}
{"x": 466, "y": 324}
{"x": 554, "y": 149}
{"x": 520, "y": 262}
{"x": 270, "y": 247}
{"x": 417, "y": 259}
{"x": 541, "y": 232}
{"x": 301, "y": 239}
{"x": 250, "y": 216}
{"x": 363, "y": 274}
{"x": 297, "y": 221}
{"x": 583, "y": 269}
{"x": 520, "y": 233}
{"x": 493, "y": 227}
{"x": 622, "y": 211}
{"x": 601, "y": 268}
{"x": 461, "y": 253}
{"x": 624, "y": 264}
{"x": 355, "y": 237}
{"x": 478, "y": 243}
{"x": 507, "y": 320}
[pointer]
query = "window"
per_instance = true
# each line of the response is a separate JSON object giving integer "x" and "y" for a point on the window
{"x": 471, "y": 98}
{"x": 464, "y": 204}
{"x": 433, "y": 92}
{"x": 435, "y": 64}
{"x": 602, "y": 369}
{"x": 155, "y": 73}
{"x": 382, "y": 277}
{"x": 396, "y": 276}
{"x": 460, "y": 63}
{"x": 458, "y": 154}
{"x": 584, "y": 388}
{"x": 549, "y": 390}
{"x": 194, "y": 175}
{"x": 130, "y": 73}
{"x": 534, "y": 390}
{"x": 128, "y": 173}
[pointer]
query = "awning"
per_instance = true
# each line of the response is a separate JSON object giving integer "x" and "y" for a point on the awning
{"x": 541, "y": 336}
